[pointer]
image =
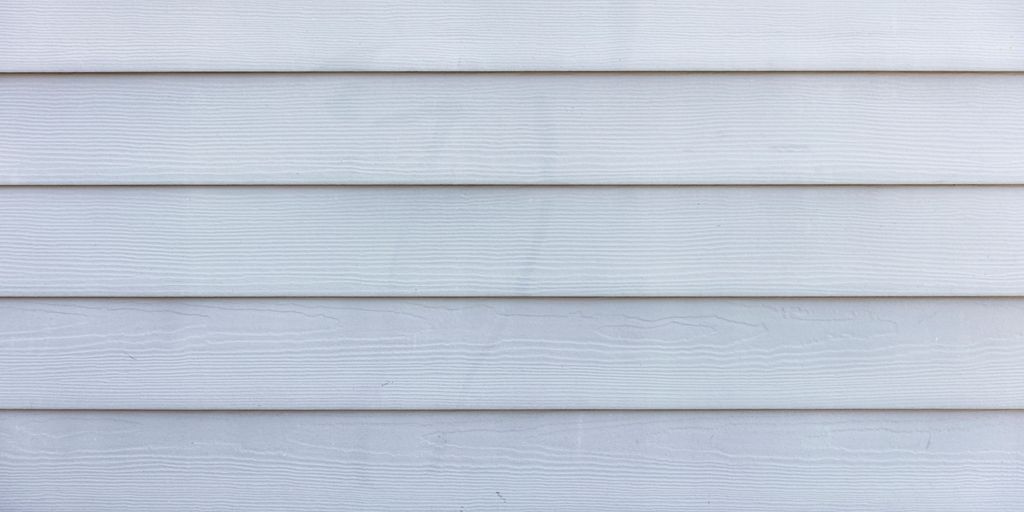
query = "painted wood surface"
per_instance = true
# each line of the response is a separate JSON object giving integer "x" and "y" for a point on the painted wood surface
{"x": 573, "y": 461}
{"x": 253, "y": 304}
{"x": 511, "y": 241}
{"x": 470, "y": 128}
{"x": 460, "y": 35}
{"x": 511, "y": 353}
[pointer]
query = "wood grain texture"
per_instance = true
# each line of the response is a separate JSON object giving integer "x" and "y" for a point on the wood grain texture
{"x": 511, "y": 353}
{"x": 586, "y": 461}
{"x": 511, "y": 241}
{"x": 462, "y": 35}
{"x": 759, "y": 128}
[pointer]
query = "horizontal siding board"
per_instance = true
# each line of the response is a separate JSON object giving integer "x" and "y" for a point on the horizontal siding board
{"x": 511, "y": 241}
{"x": 472, "y": 128}
{"x": 462, "y": 35}
{"x": 511, "y": 353}
{"x": 572, "y": 461}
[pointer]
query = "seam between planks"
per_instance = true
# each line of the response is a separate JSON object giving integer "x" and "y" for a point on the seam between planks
{"x": 510, "y": 185}
{"x": 530, "y": 72}
{"x": 512, "y": 410}
{"x": 516, "y": 297}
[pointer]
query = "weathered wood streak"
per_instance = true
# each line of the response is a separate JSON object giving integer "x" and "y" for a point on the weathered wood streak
{"x": 511, "y": 353}
{"x": 511, "y": 241}
{"x": 511, "y": 129}
{"x": 460, "y": 35}
{"x": 658, "y": 461}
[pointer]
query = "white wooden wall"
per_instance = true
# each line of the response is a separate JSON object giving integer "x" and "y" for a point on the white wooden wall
{"x": 468, "y": 255}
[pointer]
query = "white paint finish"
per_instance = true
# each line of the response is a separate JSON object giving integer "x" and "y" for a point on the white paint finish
{"x": 462, "y": 35}
{"x": 511, "y": 353}
{"x": 579, "y": 461}
{"x": 511, "y": 241}
{"x": 511, "y": 128}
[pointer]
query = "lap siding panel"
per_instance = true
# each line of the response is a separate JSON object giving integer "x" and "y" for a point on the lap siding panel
{"x": 535, "y": 460}
{"x": 512, "y": 128}
{"x": 511, "y": 353}
{"x": 511, "y": 241}
{"x": 526, "y": 35}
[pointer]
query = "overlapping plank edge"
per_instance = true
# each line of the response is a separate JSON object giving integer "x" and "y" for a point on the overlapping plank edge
{"x": 511, "y": 353}
{"x": 469, "y": 35}
{"x": 471, "y": 128}
{"x": 511, "y": 241}
{"x": 573, "y": 461}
